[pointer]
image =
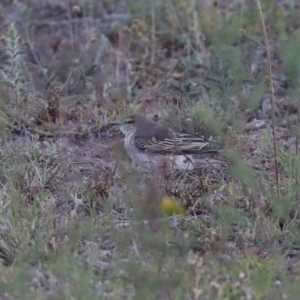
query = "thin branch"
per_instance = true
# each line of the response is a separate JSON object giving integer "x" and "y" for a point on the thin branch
{"x": 297, "y": 137}
{"x": 272, "y": 95}
{"x": 153, "y": 33}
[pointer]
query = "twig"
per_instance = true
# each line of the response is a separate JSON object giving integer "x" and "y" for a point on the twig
{"x": 272, "y": 95}
{"x": 153, "y": 33}
{"x": 196, "y": 27}
{"x": 297, "y": 136}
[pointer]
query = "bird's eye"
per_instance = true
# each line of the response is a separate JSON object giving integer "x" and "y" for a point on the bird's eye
{"x": 130, "y": 121}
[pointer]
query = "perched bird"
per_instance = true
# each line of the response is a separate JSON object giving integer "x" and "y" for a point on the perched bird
{"x": 151, "y": 145}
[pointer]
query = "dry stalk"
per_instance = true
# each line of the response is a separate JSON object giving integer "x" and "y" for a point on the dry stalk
{"x": 272, "y": 94}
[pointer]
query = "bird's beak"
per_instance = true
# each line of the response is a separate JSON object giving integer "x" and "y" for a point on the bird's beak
{"x": 115, "y": 123}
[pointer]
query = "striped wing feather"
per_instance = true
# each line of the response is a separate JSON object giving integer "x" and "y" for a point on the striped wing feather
{"x": 177, "y": 143}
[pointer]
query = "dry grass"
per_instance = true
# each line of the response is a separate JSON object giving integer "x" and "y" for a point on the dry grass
{"x": 73, "y": 224}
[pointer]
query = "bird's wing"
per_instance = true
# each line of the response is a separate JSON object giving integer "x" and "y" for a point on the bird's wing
{"x": 165, "y": 146}
{"x": 174, "y": 143}
{"x": 188, "y": 143}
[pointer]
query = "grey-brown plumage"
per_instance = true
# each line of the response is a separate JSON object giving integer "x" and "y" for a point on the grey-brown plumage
{"x": 149, "y": 144}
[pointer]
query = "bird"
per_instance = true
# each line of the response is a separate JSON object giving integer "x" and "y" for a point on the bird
{"x": 151, "y": 145}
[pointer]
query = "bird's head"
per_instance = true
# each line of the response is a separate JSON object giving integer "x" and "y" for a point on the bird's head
{"x": 129, "y": 124}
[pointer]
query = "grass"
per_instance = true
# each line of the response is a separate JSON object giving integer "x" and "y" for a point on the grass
{"x": 73, "y": 225}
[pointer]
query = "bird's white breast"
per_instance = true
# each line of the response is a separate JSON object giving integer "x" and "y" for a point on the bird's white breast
{"x": 184, "y": 162}
{"x": 139, "y": 157}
